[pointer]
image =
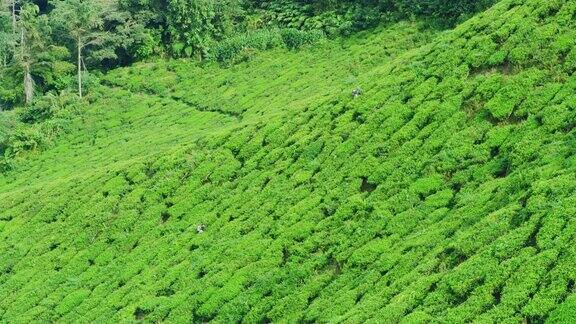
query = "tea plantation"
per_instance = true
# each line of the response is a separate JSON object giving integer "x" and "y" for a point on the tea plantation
{"x": 444, "y": 193}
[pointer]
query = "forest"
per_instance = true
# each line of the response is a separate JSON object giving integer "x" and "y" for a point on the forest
{"x": 249, "y": 161}
{"x": 47, "y": 45}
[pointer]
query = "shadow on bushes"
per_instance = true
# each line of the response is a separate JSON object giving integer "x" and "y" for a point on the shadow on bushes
{"x": 243, "y": 47}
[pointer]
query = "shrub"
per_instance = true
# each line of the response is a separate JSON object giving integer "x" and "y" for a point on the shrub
{"x": 294, "y": 38}
{"x": 244, "y": 46}
{"x": 37, "y": 112}
{"x": 7, "y": 124}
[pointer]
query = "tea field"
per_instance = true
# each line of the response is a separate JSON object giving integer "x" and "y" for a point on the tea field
{"x": 444, "y": 193}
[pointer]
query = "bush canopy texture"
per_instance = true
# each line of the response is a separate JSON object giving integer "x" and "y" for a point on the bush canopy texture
{"x": 247, "y": 183}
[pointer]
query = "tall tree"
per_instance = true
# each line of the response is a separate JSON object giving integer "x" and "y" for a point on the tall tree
{"x": 82, "y": 21}
{"x": 30, "y": 60}
{"x": 32, "y": 43}
{"x": 12, "y": 6}
{"x": 6, "y": 37}
{"x": 5, "y": 49}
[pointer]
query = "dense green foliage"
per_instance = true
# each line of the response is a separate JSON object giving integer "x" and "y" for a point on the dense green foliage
{"x": 444, "y": 193}
{"x": 245, "y": 46}
{"x": 98, "y": 35}
{"x": 344, "y": 17}
{"x": 35, "y": 127}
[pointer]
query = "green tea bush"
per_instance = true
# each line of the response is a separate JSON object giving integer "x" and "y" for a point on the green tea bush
{"x": 266, "y": 192}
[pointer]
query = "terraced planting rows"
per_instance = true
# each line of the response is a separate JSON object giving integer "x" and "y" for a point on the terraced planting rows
{"x": 444, "y": 193}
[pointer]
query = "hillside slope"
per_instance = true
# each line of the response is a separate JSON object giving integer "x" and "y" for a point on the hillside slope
{"x": 444, "y": 193}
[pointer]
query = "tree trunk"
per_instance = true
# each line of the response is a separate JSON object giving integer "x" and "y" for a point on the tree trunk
{"x": 79, "y": 49}
{"x": 28, "y": 84}
{"x": 22, "y": 39}
{"x": 28, "y": 81}
{"x": 14, "y": 16}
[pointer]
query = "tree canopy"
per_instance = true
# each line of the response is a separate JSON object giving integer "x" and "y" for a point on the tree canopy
{"x": 41, "y": 40}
